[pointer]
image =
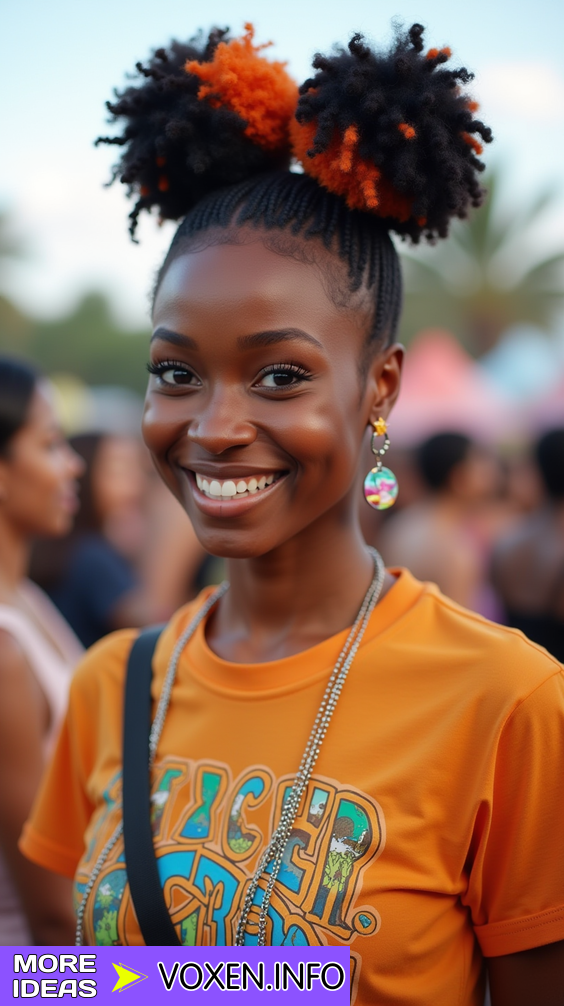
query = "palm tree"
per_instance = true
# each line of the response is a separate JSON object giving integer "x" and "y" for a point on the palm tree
{"x": 483, "y": 279}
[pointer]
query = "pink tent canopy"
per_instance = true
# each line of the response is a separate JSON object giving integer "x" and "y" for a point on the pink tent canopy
{"x": 443, "y": 388}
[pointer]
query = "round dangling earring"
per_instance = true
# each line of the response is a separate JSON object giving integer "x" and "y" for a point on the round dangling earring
{"x": 380, "y": 485}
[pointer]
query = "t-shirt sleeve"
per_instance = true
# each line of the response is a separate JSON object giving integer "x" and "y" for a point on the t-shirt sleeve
{"x": 53, "y": 836}
{"x": 516, "y": 887}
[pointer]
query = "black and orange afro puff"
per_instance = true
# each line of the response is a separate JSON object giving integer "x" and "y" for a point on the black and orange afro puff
{"x": 393, "y": 133}
{"x": 206, "y": 114}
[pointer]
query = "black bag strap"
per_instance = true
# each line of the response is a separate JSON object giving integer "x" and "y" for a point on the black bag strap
{"x": 141, "y": 865}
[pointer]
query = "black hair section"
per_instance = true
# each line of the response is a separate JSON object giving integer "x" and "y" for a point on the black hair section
{"x": 18, "y": 381}
{"x": 295, "y": 203}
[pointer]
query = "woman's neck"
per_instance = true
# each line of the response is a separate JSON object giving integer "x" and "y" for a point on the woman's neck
{"x": 14, "y": 561}
{"x": 284, "y": 602}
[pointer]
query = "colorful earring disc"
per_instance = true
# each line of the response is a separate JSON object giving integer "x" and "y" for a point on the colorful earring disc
{"x": 380, "y": 488}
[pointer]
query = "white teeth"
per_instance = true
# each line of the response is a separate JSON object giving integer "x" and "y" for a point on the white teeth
{"x": 229, "y": 488}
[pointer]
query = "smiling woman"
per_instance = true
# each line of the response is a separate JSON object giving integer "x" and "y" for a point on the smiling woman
{"x": 402, "y": 823}
{"x": 38, "y": 496}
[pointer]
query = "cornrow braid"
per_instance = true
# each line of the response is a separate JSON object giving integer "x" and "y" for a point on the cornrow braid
{"x": 288, "y": 201}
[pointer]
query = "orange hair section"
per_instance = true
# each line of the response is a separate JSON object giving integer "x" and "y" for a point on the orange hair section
{"x": 407, "y": 130}
{"x": 473, "y": 142}
{"x": 342, "y": 171}
{"x": 260, "y": 92}
{"x": 446, "y": 51}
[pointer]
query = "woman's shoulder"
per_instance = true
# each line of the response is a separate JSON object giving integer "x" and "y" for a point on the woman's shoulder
{"x": 13, "y": 622}
{"x": 12, "y": 654}
{"x": 491, "y": 653}
{"x": 21, "y": 698}
{"x": 53, "y": 623}
{"x": 20, "y": 633}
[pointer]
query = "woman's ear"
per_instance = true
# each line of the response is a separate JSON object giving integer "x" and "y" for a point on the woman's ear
{"x": 383, "y": 381}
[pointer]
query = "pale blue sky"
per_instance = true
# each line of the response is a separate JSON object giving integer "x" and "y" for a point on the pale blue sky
{"x": 60, "y": 60}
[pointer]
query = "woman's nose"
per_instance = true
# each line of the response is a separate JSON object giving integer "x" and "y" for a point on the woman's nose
{"x": 222, "y": 424}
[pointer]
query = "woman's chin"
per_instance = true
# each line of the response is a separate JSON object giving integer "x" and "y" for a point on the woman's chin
{"x": 58, "y": 527}
{"x": 233, "y": 547}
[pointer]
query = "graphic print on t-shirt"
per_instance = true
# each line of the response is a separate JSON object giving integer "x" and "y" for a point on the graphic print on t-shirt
{"x": 208, "y": 838}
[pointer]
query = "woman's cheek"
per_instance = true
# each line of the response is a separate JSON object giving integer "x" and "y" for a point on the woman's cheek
{"x": 325, "y": 439}
{"x": 160, "y": 429}
{"x": 160, "y": 433}
{"x": 50, "y": 484}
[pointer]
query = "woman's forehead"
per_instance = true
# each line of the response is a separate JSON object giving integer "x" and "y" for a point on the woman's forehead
{"x": 251, "y": 283}
{"x": 243, "y": 277}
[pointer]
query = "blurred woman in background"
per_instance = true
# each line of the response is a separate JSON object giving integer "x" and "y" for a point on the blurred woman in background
{"x": 38, "y": 496}
{"x": 90, "y": 574}
{"x": 131, "y": 554}
{"x": 528, "y": 563}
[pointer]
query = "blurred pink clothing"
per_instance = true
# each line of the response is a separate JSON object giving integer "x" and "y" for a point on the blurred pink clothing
{"x": 52, "y": 668}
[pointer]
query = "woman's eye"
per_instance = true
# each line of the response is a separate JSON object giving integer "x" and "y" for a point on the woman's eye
{"x": 176, "y": 376}
{"x": 173, "y": 375}
{"x": 283, "y": 377}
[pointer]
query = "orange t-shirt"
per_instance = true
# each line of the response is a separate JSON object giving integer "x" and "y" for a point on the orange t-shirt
{"x": 431, "y": 832}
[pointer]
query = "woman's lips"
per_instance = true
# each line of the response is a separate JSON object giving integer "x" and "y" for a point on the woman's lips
{"x": 231, "y": 505}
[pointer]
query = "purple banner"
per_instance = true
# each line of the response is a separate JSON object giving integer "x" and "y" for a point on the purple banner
{"x": 168, "y": 974}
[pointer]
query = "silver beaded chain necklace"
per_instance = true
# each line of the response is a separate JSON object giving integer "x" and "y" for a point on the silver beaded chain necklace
{"x": 275, "y": 850}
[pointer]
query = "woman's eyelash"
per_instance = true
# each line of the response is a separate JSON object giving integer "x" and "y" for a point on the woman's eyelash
{"x": 287, "y": 368}
{"x": 161, "y": 368}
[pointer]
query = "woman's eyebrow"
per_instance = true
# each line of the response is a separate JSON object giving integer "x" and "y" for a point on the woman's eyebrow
{"x": 269, "y": 338}
{"x": 257, "y": 339}
{"x": 166, "y": 335}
